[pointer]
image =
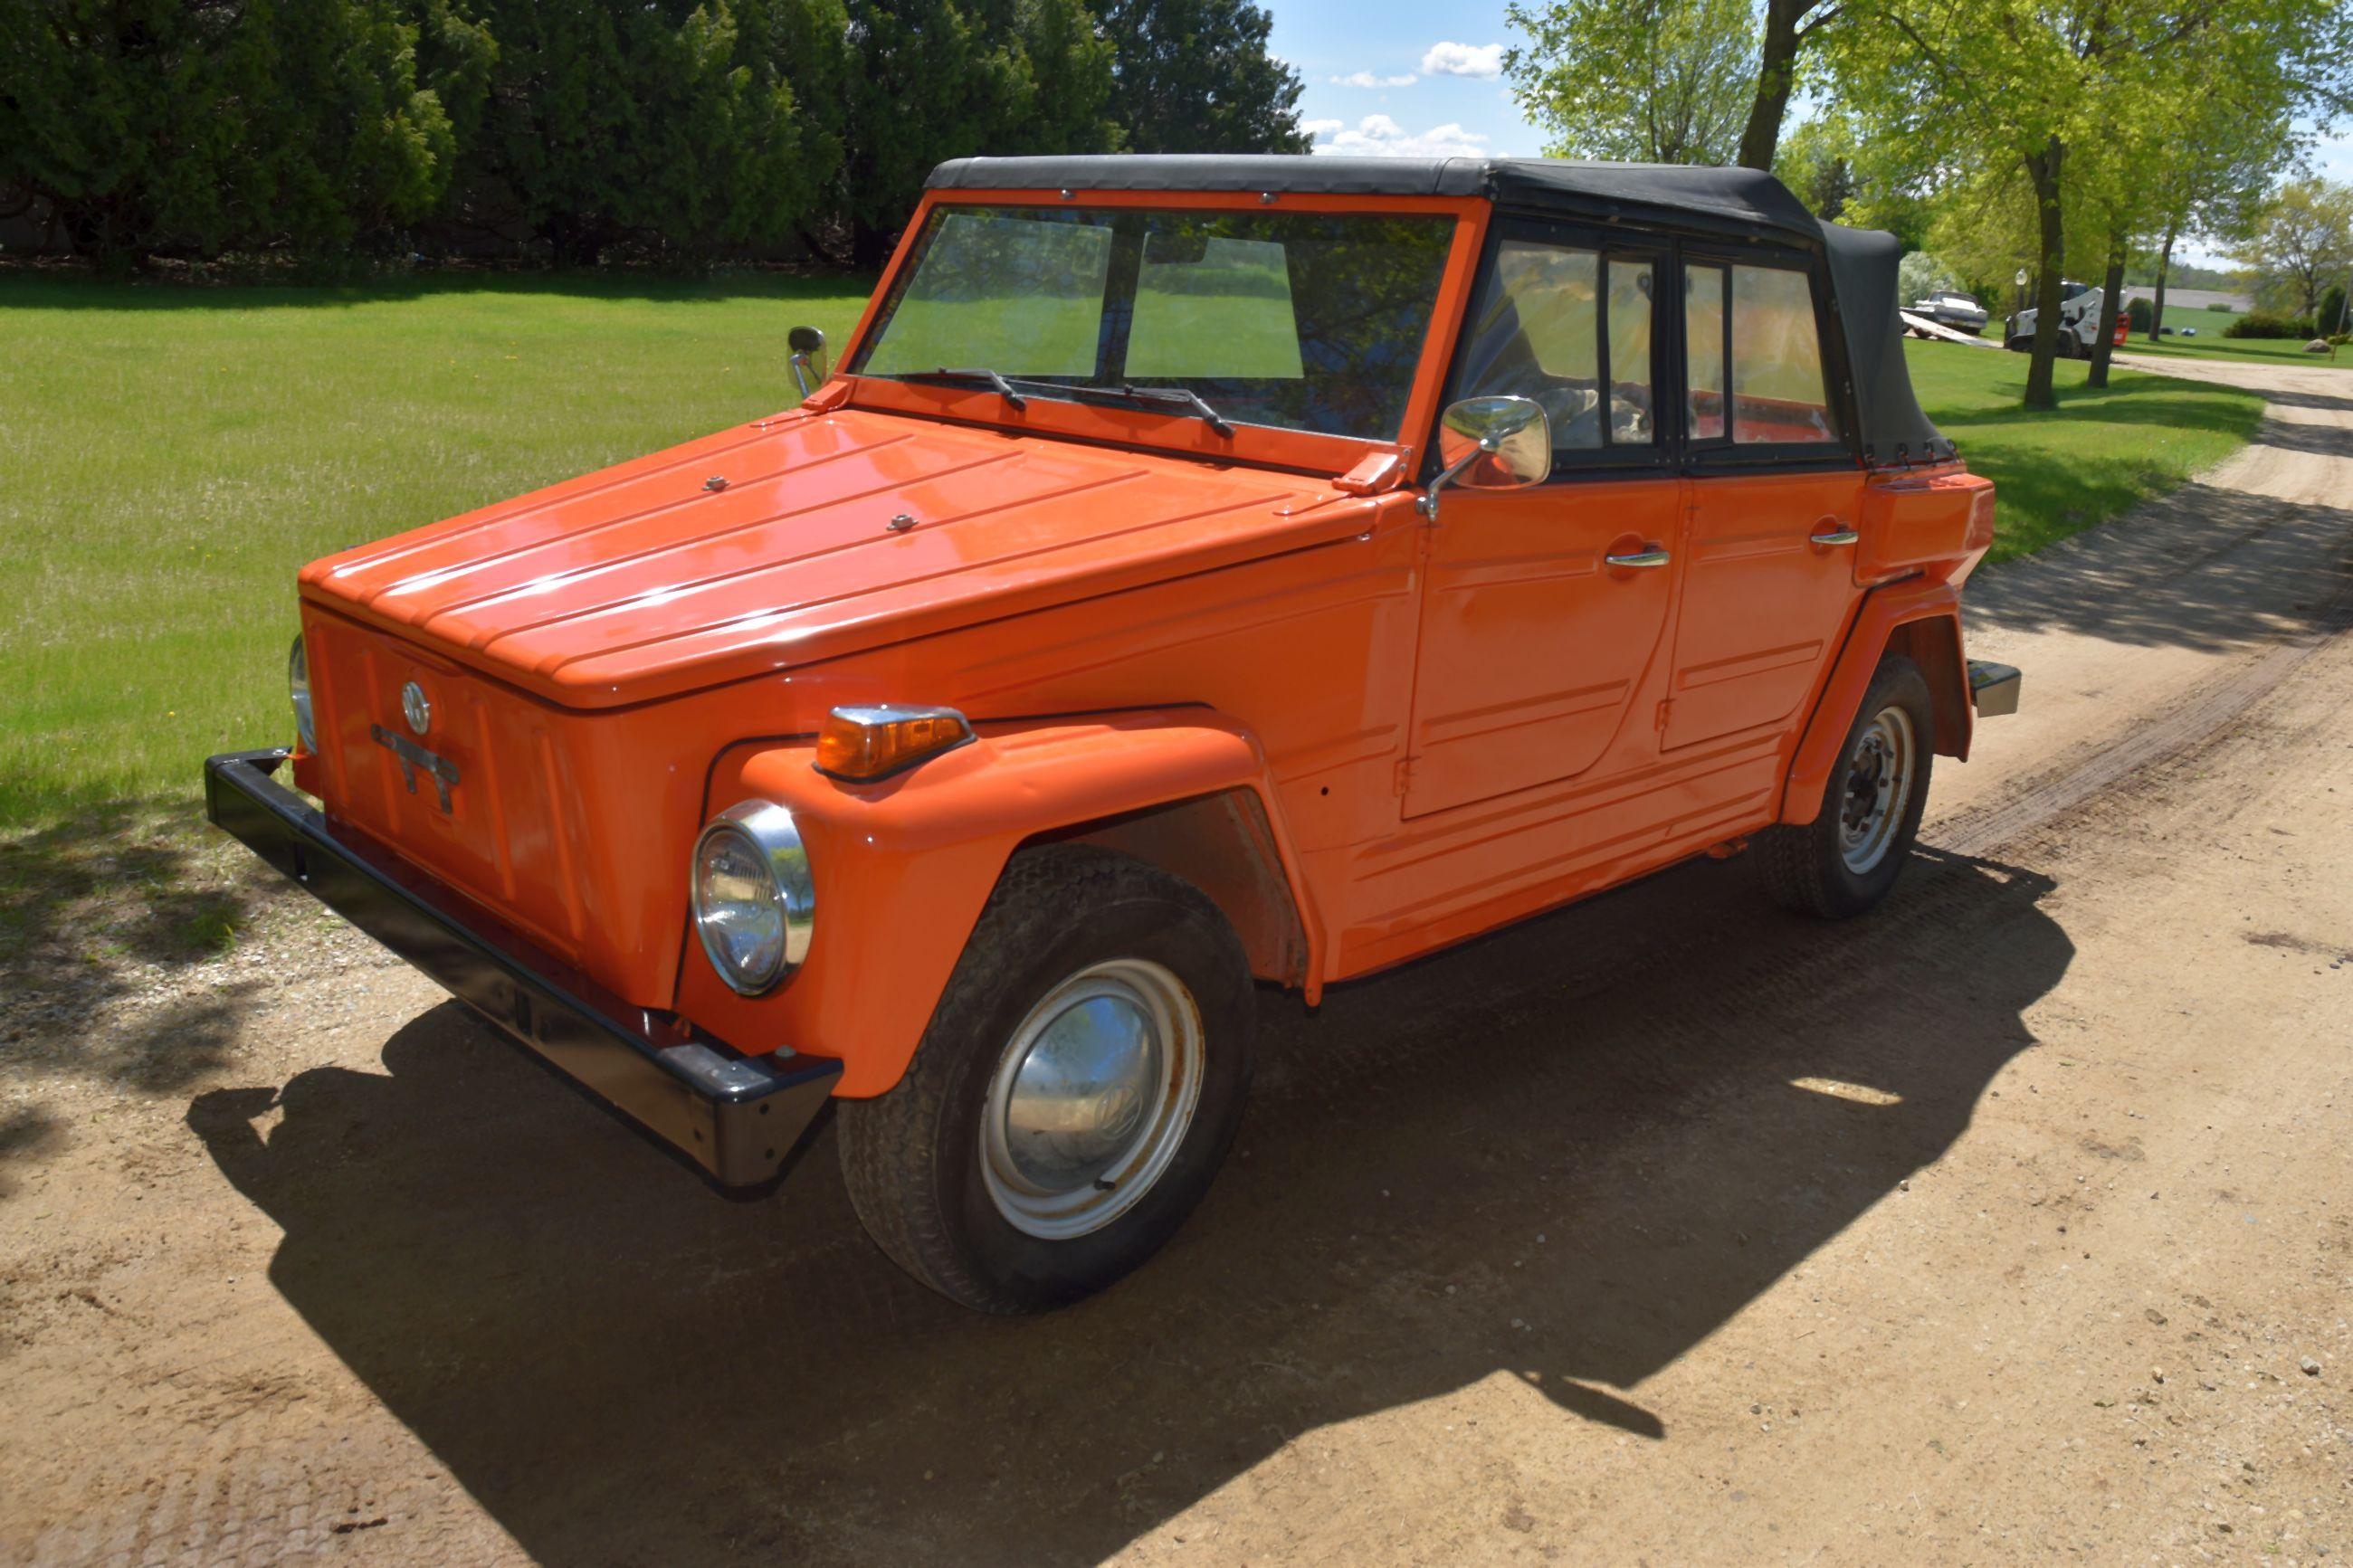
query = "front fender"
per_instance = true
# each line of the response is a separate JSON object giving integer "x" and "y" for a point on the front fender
{"x": 903, "y": 867}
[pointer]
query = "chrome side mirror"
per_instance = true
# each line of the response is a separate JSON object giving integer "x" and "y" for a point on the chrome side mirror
{"x": 809, "y": 371}
{"x": 1491, "y": 444}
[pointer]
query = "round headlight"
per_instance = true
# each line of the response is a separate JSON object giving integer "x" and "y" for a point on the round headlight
{"x": 298, "y": 685}
{"x": 754, "y": 905}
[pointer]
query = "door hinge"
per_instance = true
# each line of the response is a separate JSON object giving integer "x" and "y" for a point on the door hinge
{"x": 1666, "y": 705}
{"x": 1404, "y": 774}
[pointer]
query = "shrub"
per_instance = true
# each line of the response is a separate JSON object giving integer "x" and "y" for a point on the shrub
{"x": 2139, "y": 311}
{"x": 2264, "y": 325}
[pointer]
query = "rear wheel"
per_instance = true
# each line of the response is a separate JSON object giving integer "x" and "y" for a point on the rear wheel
{"x": 1079, "y": 1083}
{"x": 1845, "y": 860}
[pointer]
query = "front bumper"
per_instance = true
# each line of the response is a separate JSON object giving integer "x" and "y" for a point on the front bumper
{"x": 735, "y": 1116}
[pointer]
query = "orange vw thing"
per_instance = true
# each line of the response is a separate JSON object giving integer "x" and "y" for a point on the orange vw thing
{"x": 1200, "y": 570}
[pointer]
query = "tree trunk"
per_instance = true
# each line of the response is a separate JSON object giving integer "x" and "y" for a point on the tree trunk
{"x": 2156, "y": 306}
{"x": 1777, "y": 70}
{"x": 2042, "y": 169}
{"x": 2111, "y": 306}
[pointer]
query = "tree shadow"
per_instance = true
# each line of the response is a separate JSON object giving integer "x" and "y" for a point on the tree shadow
{"x": 2188, "y": 366}
{"x": 2203, "y": 566}
{"x": 1560, "y": 1156}
{"x": 2120, "y": 404}
{"x": 28, "y": 1132}
{"x": 110, "y": 895}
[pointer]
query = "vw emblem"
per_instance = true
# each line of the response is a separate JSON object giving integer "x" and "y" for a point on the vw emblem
{"x": 416, "y": 707}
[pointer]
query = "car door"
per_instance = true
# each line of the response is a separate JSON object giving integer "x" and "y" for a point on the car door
{"x": 1544, "y": 607}
{"x": 1776, "y": 493}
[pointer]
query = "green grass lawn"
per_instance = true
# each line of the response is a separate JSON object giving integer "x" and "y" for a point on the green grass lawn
{"x": 2210, "y": 342}
{"x": 174, "y": 455}
{"x": 2058, "y": 474}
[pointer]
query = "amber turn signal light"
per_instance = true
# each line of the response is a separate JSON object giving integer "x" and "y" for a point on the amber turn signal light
{"x": 859, "y": 745}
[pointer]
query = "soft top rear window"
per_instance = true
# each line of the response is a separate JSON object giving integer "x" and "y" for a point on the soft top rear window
{"x": 1304, "y": 320}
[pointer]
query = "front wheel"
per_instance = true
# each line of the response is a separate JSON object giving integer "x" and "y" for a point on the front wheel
{"x": 1079, "y": 1085}
{"x": 1845, "y": 860}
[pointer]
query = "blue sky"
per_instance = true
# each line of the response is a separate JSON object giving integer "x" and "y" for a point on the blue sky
{"x": 1383, "y": 75}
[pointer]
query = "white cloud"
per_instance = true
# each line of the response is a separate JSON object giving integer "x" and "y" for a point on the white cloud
{"x": 1483, "y": 60}
{"x": 1320, "y": 126}
{"x": 1366, "y": 79}
{"x": 1378, "y": 136}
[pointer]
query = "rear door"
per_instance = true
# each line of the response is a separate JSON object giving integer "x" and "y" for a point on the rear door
{"x": 1533, "y": 641}
{"x": 1776, "y": 493}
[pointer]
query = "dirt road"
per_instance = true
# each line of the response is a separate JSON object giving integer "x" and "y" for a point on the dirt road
{"x": 2014, "y": 1224}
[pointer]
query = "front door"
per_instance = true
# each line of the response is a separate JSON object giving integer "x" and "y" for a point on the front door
{"x": 1768, "y": 551}
{"x": 1544, "y": 607}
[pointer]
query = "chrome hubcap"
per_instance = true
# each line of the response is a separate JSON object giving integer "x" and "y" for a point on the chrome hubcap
{"x": 1878, "y": 787}
{"x": 1093, "y": 1099}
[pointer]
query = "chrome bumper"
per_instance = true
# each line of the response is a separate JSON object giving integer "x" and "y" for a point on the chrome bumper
{"x": 735, "y": 1116}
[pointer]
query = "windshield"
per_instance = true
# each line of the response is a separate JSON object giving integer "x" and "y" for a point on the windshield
{"x": 1309, "y": 320}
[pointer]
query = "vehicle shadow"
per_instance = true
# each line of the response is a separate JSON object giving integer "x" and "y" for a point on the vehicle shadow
{"x": 1562, "y": 1155}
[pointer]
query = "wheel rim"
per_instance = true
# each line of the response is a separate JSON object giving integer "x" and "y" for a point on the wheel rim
{"x": 1879, "y": 772}
{"x": 1092, "y": 1098}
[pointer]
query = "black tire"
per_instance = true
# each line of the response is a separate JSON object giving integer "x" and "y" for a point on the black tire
{"x": 1806, "y": 868}
{"x": 914, "y": 1157}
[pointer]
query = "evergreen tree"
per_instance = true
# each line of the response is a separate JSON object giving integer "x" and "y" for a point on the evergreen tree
{"x": 191, "y": 127}
{"x": 1195, "y": 76}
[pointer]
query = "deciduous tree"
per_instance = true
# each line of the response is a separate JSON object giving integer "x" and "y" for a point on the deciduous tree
{"x": 1661, "y": 81}
{"x": 2058, "y": 90}
{"x": 2302, "y": 241}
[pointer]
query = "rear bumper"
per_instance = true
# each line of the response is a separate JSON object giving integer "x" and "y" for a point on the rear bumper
{"x": 735, "y": 1116}
{"x": 1993, "y": 688}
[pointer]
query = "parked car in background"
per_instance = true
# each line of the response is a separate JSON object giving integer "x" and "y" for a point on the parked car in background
{"x": 2079, "y": 321}
{"x": 1205, "y": 572}
{"x": 1951, "y": 308}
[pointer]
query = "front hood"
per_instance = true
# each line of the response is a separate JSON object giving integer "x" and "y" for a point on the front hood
{"x": 801, "y": 538}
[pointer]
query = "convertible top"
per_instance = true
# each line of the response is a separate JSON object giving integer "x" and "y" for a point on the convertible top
{"x": 1743, "y": 203}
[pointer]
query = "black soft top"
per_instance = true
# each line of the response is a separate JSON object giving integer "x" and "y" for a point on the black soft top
{"x": 1739, "y": 203}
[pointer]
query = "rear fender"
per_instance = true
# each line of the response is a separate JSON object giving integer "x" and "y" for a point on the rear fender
{"x": 1917, "y": 618}
{"x": 903, "y": 867}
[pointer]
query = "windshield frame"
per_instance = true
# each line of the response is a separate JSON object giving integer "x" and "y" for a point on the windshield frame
{"x": 1164, "y": 426}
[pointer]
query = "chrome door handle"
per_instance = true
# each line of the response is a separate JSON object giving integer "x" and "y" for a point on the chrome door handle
{"x": 1836, "y": 536}
{"x": 1639, "y": 558}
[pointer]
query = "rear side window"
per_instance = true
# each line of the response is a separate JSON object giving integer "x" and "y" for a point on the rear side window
{"x": 1571, "y": 328}
{"x": 1753, "y": 326}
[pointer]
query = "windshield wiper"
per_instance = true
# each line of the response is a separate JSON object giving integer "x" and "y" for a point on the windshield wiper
{"x": 1003, "y": 387}
{"x": 1185, "y": 396}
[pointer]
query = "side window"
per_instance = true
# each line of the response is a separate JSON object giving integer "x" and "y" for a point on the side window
{"x": 1572, "y": 329}
{"x": 1704, "y": 352}
{"x": 1758, "y": 321}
